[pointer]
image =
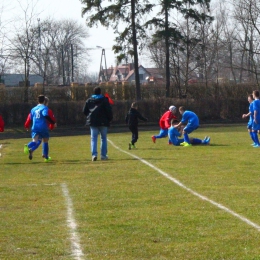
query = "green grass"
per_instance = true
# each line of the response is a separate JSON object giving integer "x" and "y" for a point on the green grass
{"x": 123, "y": 208}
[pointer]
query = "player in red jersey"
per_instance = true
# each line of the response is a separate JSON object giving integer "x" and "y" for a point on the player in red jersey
{"x": 2, "y": 124}
{"x": 165, "y": 123}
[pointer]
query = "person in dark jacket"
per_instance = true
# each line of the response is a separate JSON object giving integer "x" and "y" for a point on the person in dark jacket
{"x": 132, "y": 120}
{"x": 99, "y": 115}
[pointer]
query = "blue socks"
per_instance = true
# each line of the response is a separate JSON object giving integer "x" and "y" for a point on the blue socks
{"x": 252, "y": 136}
{"x": 196, "y": 141}
{"x": 255, "y": 136}
{"x": 34, "y": 145}
{"x": 186, "y": 138}
{"x": 45, "y": 148}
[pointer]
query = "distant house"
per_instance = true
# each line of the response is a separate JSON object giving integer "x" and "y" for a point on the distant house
{"x": 16, "y": 80}
{"x": 126, "y": 72}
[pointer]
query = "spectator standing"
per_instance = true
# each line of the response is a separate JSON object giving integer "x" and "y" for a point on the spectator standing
{"x": 99, "y": 115}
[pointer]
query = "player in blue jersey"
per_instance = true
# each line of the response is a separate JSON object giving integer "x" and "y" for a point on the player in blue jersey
{"x": 250, "y": 114}
{"x": 256, "y": 121}
{"x": 174, "y": 132}
{"x": 192, "y": 121}
{"x": 40, "y": 129}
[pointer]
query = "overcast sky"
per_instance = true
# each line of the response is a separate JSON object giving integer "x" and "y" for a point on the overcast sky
{"x": 59, "y": 9}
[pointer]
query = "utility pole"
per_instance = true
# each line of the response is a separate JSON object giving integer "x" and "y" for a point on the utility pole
{"x": 62, "y": 64}
{"x": 72, "y": 63}
{"x": 103, "y": 53}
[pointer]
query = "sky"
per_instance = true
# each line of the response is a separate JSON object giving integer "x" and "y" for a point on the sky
{"x": 60, "y": 9}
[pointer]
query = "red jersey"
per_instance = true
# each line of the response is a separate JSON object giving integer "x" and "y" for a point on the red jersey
{"x": 50, "y": 125}
{"x": 165, "y": 120}
{"x": 2, "y": 124}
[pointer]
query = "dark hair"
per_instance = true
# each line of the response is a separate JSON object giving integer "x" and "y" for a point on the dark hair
{"x": 182, "y": 108}
{"x": 251, "y": 96}
{"x": 174, "y": 121}
{"x": 256, "y": 92}
{"x": 97, "y": 90}
{"x": 134, "y": 105}
{"x": 41, "y": 99}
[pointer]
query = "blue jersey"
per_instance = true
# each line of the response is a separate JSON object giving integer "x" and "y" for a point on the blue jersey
{"x": 256, "y": 107}
{"x": 39, "y": 123}
{"x": 191, "y": 118}
{"x": 173, "y": 134}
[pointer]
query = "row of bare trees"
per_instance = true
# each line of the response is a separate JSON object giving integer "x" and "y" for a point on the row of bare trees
{"x": 190, "y": 41}
{"x": 53, "y": 49}
{"x": 225, "y": 50}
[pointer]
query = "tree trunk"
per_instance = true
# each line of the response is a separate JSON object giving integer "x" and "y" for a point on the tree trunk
{"x": 167, "y": 58}
{"x": 136, "y": 65}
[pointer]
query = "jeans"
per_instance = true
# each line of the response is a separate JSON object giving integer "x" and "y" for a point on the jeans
{"x": 94, "y": 131}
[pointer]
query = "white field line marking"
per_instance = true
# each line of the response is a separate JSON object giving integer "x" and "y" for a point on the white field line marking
{"x": 177, "y": 182}
{"x": 74, "y": 238}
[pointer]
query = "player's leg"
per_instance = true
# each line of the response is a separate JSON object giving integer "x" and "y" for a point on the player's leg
{"x": 45, "y": 138}
{"x": 94, "y": 138}
{"x": 255, "y": 129}
{"x": 103, "y": 145}
{"x": 250, "y": 131}
{"x": 163, "y": 133}
{"x": 32, "y": 146}
{"x": 135, "y": 136}
{"x": 186, "y": 131}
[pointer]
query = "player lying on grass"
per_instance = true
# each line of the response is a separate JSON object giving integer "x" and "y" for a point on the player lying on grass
{"x": 175, "y": 132}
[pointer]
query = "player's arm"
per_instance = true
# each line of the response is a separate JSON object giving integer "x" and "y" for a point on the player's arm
{"x": 255, "y": 116}
{"x": 51, "y": 115}
{"x": 28, "y": 122}
{"x": 246, "y": 115}
{"x": 49, "y": 119}
{"x": 178, "y": 125}
{"x": 141, "y": 117}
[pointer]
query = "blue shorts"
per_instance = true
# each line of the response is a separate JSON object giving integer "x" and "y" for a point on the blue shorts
{"x": 179, "y": 142}
{"x": 190, "y": 128}
{"x": 255, "y": 126}
{"x": 44, "y": 134}
{"x": 249, "y": 125}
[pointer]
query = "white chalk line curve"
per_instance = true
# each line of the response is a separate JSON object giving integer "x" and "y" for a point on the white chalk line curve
{"x": 74, "y": 238}
{"x": 177, "y": 182}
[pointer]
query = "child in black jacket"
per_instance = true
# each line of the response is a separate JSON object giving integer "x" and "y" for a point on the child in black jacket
{"x": 132, "y": 120}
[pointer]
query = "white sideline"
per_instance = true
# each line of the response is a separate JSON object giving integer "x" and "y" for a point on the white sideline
{"x": 177, "y": 182}
{"x": 74, "y": 238}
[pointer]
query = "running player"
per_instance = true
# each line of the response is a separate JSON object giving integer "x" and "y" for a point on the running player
{"x": 39, "y": 116}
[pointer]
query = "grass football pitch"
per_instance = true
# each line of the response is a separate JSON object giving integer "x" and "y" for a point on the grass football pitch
{"x": 157, "y": 201}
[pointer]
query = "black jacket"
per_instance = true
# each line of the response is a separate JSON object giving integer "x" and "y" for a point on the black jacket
{"x": 98, "y": 111}
{"x": 132, "y": 117}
